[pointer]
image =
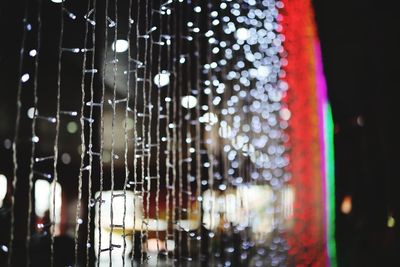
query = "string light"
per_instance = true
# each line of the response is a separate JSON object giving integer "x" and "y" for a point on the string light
{"x": 158, "y": 141}
{"x": 149, "y": 145}
{"x": 162, "y": 79}
{"x": 114, "y": 95}
{"x": 102, "y": 158}
{"x": 83, "y": 143}
{"x": 136, "y": 138}
{"x": 202, "y": 99}
{"x": 188, "y": 101}
{"x": 25, "y": 77}
{"x": 126, "y": 127}
{"x": 120, "y": 46}
{"x": 90, "y": 146}
{"x": 144, "y": 153}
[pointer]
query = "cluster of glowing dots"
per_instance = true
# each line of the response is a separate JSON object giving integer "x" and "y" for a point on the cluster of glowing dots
{"x": 246, "y": 107}
{"x": 252, "y": 56}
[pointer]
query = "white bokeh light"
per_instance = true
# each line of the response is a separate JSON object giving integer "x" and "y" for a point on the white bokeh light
{"x": 31, "y": 112}
{"x": 25, "y": 77}
{"x": 242, "y": 34}
{"x": 188, "y": 101}
{"x": 225, "y": 131}
{"x": 3, "y": 188}
{"x": 162, "y": 79}
{"x": 42, "y": 197}
{"x": 263, "y": 71}
{"x": 209, "y": 117}
{"x": 58, "y": 202}
{"x": 120, "y": 46}
{"x": 33, "y": 52}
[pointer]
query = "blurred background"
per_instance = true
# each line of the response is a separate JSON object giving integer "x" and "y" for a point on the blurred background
{"x": 360, "y": 45}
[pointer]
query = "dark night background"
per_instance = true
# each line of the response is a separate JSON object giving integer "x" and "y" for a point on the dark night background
{"x": 360, "y": 45}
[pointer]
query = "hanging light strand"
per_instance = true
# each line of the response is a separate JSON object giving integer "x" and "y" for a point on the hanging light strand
{"x": 114, "y": 95}
{"x": 196, "y": 56}
{"x": 135, "y": 123}
{"x": 188, "y": 135}
{"x": 126, "y": 146}
{"x": 56, "y": 139}
{"x": 150, "y": 107}
{"x": 17, "y": 132}
{"x": 90, "y": 171}
{"x": 174, "y": 120}
{"x": 35, "y": 111}
{"x": 102, "y": 126}
{"x": 78, "y": 219}
{"x": 158, "y": 147}
{"x": 143, "y": 232}
{"x": 168, "y": 163}
{"x": 208, "y": 140}
{"x": 179, "y": 122}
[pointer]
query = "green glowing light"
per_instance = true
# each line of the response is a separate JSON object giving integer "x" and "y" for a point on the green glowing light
{"x": 72, "y": 127}
{"x": 330, "y": 183}
{"x": 391, "y": 222}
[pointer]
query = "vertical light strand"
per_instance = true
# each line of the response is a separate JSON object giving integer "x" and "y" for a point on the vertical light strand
{"x": 113, "y": 131}
{"x": 173, "y": 124}
{"x": 223, "y": 132}
{"x": 103, "y": 91}
{"x": 222, "y": 169}
{"x": 78, "y": 220}
{"x": 196, "y": 48}
{"x": 135, "y": 123}
{"x": 208, "y": 140}
{"x": 33, "y": 128}
{"x": 55, "y": 163}
{"x": 126, "y": 148}
{"x": 167, "y": 101}
{"x": 88, "y": 236}
{"x": 16, "y": 134}
{"x": 179, "y": 123}
{"x": 188, "y": 137}
{"x": 150, "y": 116}
{"x": 159, "y": 108}
{"x": 143, "y": 147}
